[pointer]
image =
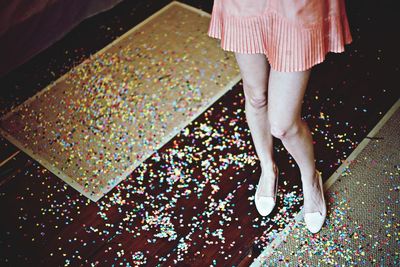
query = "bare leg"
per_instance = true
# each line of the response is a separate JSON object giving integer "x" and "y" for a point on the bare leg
{"x": 285, "y": 96}
{"x": 254, "y": 70}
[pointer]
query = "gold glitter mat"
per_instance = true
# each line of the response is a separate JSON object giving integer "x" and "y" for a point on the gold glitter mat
{"x": 97, "y": 123}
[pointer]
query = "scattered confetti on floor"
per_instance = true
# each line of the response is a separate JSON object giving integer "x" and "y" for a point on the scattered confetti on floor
{"x": 104, "y": 117}
{"x": 362, "y": 227}
{"x": 210, "y": 164}
{"x": 192, "y": 200}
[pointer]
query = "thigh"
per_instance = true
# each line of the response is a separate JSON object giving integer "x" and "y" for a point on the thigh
{"x": 285, "y": 96}
{"x": 254, "y": 71}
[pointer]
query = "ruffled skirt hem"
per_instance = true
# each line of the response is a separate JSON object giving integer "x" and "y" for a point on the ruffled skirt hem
{"x": 289, "y": 47}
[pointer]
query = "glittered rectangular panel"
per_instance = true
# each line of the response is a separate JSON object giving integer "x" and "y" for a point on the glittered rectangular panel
{"x": 97, "y": 123}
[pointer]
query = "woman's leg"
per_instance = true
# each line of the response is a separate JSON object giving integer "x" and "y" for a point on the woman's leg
{"x": 285, "y": 95}
{"x": 254, "y": 70}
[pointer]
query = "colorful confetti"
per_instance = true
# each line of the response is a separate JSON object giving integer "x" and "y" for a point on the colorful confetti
{"x": 97, "y": 123}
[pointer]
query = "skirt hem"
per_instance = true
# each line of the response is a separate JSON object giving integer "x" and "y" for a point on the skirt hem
{"x": 287, "y": 46}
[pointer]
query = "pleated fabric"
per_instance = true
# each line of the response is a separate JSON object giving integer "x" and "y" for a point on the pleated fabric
{"x": 294, "y": 34}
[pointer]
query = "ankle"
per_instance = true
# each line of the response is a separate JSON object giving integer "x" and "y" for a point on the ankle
{"x": 309, "y": 176}
{"x": 269, "y": 167}
{"x": 310, "y": 182}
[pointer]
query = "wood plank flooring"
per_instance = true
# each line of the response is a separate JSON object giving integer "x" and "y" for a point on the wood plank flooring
{"x": 190, "y": 204}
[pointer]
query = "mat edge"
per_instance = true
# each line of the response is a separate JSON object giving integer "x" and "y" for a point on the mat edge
{"x": 58, "y": 173}
{"x": 119, "y": 38}
{"x": 267, "y": 252}
{"x": 178, "y": 129}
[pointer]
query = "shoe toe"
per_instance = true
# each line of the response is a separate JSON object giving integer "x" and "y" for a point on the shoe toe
{"x": 265, "y": 205}
{"x": 314, "y": 221}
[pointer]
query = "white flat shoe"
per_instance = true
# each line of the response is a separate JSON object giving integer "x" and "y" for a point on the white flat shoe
{"x": 315, "y": 220}
{"x": 265, "y": 205}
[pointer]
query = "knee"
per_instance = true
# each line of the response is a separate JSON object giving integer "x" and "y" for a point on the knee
{"x": 257, "y": 102}
{"x": 282, "y": 129}
{"x": 256, "y": 97}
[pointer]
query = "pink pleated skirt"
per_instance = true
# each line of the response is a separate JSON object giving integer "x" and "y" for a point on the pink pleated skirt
{"x": 293, "y": 34}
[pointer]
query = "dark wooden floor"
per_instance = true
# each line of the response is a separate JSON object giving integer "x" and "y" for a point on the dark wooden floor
{"x": 191, "y": 203}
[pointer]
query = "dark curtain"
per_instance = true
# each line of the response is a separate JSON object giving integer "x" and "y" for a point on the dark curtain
{"x": 28, "y": 27}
